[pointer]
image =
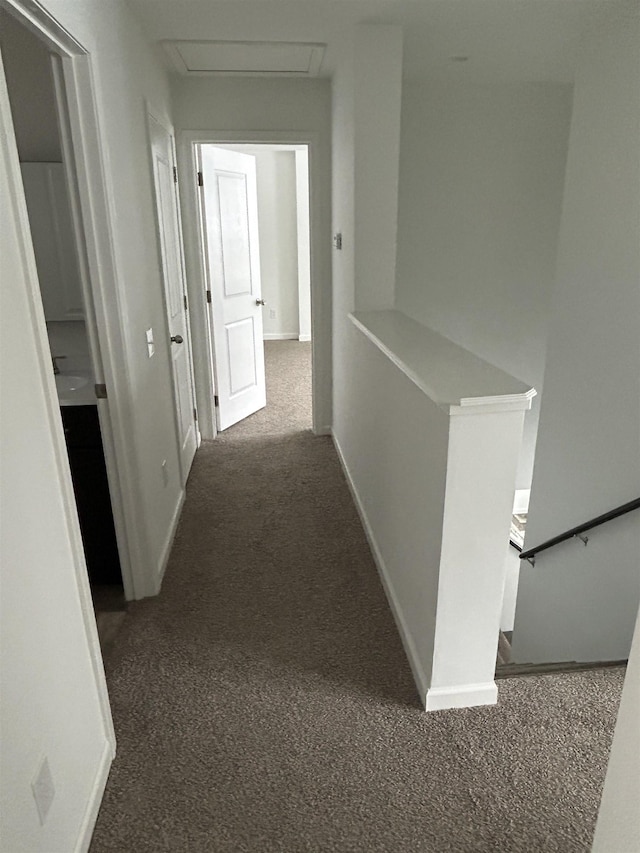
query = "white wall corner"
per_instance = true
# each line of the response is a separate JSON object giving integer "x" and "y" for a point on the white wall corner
{"x": 618, "y": 826}
{"x": 95, "y": 798}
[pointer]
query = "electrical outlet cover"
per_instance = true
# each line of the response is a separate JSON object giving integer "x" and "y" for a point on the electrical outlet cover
{"x": 43, "y": 790}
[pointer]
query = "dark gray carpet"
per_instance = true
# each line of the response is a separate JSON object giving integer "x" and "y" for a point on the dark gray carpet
{"x": 263, "y": 701}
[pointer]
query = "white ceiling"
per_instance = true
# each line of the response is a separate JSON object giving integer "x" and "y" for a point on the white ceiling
{"x": 505, "y": 40}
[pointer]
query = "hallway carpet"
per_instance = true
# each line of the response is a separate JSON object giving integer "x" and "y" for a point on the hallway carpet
{"x": 263, "y": 701}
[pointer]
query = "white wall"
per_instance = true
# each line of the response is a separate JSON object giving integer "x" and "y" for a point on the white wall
{"x": 394, "y": 464}
{"x": 618, "y": 826}
{"x": 510, "y": 594}
{"x": 365, "y": 128}
{"x": 377, "y": 71}
{"x": 397, "y": 469}
{"x": 580, "y": 603}
{"x": 30, "y": 83}
{"x": 277, "y": 219}
{"x": 50, "y": 677}
{"x": 481, "y": 180}
{"x": 236, "y": 105}
{"x": 69, "y": 338}
{"x": 343, "y": 215}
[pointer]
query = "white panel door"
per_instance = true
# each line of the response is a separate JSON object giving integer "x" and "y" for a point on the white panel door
{"x": 174, "y": 291}
{"x": 232, "y": 251}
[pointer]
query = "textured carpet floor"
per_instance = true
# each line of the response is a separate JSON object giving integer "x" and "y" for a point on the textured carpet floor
{"x": 263, "y": 701}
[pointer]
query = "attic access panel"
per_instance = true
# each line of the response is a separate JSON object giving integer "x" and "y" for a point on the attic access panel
{"x": 246, "y": 58}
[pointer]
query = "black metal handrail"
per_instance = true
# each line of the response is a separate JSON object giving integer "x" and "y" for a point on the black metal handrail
{"x": 581, "y": 528}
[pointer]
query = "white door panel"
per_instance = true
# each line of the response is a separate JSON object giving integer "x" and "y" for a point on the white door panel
{"x": 242, "y": 356}
{"x": 234, "y": 228}
{"x": 174, "y": 292}
{"x": 233, "y": 265}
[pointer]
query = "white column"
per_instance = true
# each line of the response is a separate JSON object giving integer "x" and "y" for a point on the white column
{"x": 482, "y": 459}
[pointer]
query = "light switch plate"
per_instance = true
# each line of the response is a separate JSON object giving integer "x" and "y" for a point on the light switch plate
{"x": 150, "y": 345}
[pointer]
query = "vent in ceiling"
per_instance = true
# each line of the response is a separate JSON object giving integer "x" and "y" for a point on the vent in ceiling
{"x": 246, "y": 58}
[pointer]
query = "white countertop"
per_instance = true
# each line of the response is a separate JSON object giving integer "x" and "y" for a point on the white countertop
{"x": 81, "y": 396}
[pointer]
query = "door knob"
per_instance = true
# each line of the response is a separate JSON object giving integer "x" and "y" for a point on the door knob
{"x": 177, "y": 339}
{"x": 260, "y": 302}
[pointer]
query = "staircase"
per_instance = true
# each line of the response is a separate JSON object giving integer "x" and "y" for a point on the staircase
{"x": 504, "y": 667}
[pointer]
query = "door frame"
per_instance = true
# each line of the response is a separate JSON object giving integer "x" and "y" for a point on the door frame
{"x": 188, "y": 167}
{"x": 91, "y": 215}
{"x": 160, "y": 117}
{"x": 78, "y": 72}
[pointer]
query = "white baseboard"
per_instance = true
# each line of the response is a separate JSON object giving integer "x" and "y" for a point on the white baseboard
{"x": 304, "y": 337}
{"x": 324, "y": 430}
{"x": 280, "y": 336}
{"x": 407, "y": 640}
{"x": 95, "y": 799}
{"x": 461, "y": 696}
{"x": 168, "y": 542}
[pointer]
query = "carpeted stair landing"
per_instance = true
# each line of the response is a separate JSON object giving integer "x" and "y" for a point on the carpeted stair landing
{"x": 263, "y": 701}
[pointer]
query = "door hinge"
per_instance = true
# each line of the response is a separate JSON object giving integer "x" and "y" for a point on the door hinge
{"x": 216, "y": 402}
{"x": 200, "y": 179}
{"x": 100, "y": 391}
{"x": 175, "y": 174}
{"x": 186, "y": 304}
{"x": 195, "y": 414}
{"x": 209, "y": 297}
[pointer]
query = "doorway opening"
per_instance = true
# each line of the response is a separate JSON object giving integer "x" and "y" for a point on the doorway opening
{"x": 314, "y": 281}
{"x": 37, "y": 97}
{"x": 256, "y": 250}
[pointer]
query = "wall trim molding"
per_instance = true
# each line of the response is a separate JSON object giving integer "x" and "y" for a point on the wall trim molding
{"x": 461, "y": 696}
{"x": 95, "y": 798}
{"x": 407, "y": 640}
{"x": 82, "y": 146}
{"x": 171, "y": 535}
{"x": 304, "y": 338}
{"x": 280, "y": 336}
